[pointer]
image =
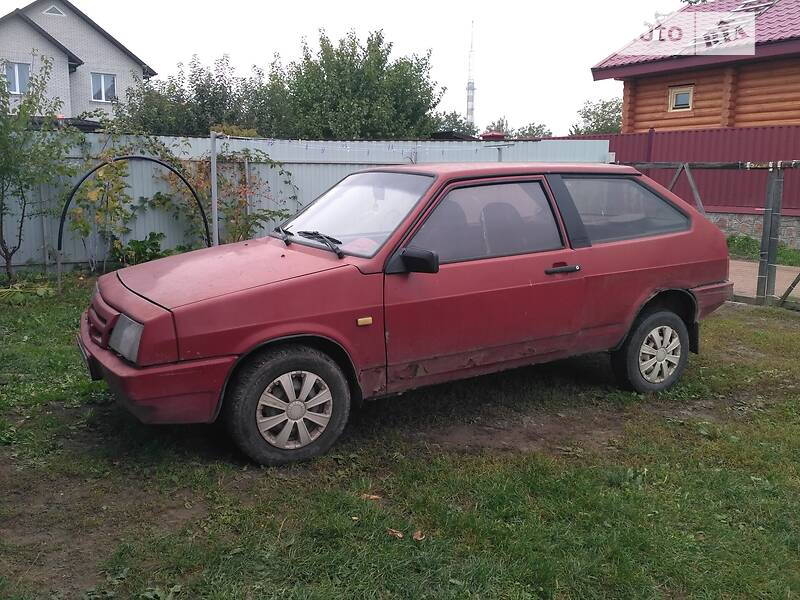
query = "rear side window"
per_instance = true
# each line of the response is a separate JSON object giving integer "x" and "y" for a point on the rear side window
{"x": 491, "y": 220}
{"x": 615, "y": 209}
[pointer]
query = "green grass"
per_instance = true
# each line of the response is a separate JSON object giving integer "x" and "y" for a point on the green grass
{"x": 695, "y": 495}
{"x": 745, "y": 247}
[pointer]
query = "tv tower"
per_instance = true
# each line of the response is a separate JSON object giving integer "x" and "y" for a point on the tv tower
{"x": 471, "y": 78}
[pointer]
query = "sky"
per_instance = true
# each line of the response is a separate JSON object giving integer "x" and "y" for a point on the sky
{"x": 532, "y": 59}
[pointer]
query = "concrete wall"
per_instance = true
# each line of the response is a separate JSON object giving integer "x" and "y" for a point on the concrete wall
{"x": 99, "y": 56}
{"x": 18, "y": 41}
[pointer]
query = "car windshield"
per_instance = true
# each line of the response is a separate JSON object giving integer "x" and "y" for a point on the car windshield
{"x": 361, "y": 211}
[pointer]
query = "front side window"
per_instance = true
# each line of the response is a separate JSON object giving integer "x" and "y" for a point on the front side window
{"x": 488, "y": 221}
{"x": 361, "y": 211}
{"x": 17, "y": 76}
{"x": 615, "y": 209}
{"x": 104, "y": 87}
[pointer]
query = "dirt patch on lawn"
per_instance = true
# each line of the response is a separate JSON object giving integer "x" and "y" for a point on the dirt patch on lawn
{"x": 55, "y": 532}
{"x": 788, "y": 320}
{"x": 573, "y": 430}
{"x": 567, "y": 431}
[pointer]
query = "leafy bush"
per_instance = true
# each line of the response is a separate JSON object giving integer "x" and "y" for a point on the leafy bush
{"x": 19, "y": 293}
{"x": 240, "y": 196}
{"x": 139, "y": 251}
{"x": 743, "y": 246}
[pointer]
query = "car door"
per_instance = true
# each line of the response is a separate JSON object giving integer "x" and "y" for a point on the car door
{"x": 507, "y": 292}
{"x": 638, "y": 243}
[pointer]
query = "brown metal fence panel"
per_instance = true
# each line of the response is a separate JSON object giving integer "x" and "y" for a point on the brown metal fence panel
{"x": 721, "y": 191}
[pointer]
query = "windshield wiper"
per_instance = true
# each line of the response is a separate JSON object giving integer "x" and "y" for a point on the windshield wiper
{"x": 284, "y": 234}
{"x": 329, "y": 241}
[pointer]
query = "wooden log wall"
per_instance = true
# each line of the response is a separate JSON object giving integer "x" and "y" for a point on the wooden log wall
{"x": 746, "y": 95}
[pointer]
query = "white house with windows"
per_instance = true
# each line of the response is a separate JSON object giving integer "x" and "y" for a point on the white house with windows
{"x": 90, "y": 67}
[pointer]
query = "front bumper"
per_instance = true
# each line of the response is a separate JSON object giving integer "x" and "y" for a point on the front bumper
{"x": 182, "y": 392}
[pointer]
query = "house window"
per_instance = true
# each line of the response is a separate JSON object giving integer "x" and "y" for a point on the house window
{"x": 104, "y": 87}
{"x": 681, "y": 98}
{"x": 54, "y": 11}
{"x": 17, "y": 75}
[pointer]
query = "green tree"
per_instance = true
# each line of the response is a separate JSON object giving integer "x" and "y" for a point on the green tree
{"x": 346, "y": 90}
{"x": 602, "y": 116}
{"x": 533, "y": 130}
{"x": 501, "y": 125}
{"x": 33, "y": 144}
{"x": 158, "y": 107}
{"x": 352, "y": 90}
{"x": 188, "y": 103}
{"x": 453, "y": 121}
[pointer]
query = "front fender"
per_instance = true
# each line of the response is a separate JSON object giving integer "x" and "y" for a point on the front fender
{"x": 326, "y": 305}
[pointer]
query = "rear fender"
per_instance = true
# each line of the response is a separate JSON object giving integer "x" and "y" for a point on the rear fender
{"x": 681, "y": 302}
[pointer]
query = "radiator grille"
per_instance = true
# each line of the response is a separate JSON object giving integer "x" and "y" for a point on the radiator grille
{"x": 101, "y": 320}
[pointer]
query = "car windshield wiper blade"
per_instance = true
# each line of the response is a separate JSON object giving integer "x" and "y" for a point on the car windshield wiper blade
{"x": 329, "y": 241}
{"x": 285, "y": 233}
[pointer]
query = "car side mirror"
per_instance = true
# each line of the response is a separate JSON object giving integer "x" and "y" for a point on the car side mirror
{"x": 413, "y": 260}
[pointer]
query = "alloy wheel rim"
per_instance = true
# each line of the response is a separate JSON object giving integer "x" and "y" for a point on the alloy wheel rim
{"x": 660, "y": 354}
{"x": 294, "y": 410}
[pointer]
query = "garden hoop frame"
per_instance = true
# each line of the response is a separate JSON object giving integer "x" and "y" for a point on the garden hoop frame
{"x": 127, "y": 157}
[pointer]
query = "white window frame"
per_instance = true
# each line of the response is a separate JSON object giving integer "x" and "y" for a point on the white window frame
{"x": 102, "y": 87}
{"x": 16, "y": 91}
{"x": 60, "y": 13}
{"x": 673, "y": 95}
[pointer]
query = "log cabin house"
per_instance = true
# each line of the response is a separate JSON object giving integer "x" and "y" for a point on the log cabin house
{"x": 716, "y": 91}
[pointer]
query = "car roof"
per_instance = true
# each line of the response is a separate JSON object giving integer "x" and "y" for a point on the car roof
{"x": 487, "y": 169}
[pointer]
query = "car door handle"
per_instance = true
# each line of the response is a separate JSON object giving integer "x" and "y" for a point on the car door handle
{"x": 562, "y": 269}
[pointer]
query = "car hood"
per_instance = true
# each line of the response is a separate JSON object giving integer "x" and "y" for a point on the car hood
{"x": 203, "y": 274}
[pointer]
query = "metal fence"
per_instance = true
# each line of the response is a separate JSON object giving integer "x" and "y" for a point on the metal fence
{"x": 314, "y": 167}
{"x": 776, "y": 174}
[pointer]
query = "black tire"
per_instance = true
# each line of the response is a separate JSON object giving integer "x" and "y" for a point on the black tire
{"x": 625, "y": 361}
{"x": 242, "y": 401}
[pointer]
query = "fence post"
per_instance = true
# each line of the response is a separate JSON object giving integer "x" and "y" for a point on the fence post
{"x": 789, "y": 290}
{"x": 770, "y": 235}
{"x": 698, "y": 201}
{"x": 675, "y": 177}
{"x": 214, "y": 199}
{"x": 247, "y": 185}
{"x": 775, "y": 230}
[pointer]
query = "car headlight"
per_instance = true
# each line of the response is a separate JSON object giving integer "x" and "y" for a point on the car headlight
{"x": 125, "y": 337}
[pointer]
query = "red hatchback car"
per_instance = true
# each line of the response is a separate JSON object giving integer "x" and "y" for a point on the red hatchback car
{"x": 403, "y": 277}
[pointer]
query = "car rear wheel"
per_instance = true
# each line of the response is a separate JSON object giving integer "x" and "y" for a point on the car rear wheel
{"x": 288, "y": 404}
{"x": 654, "y": 355}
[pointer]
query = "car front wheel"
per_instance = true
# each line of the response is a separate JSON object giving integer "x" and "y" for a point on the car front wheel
{"x": 654, "y": 355}
{"x": 286, "y": 405}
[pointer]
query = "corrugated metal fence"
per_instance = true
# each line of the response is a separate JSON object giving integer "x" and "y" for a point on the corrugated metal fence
{"x": 721, "y": 191}
{"x": 314, "y": 167}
